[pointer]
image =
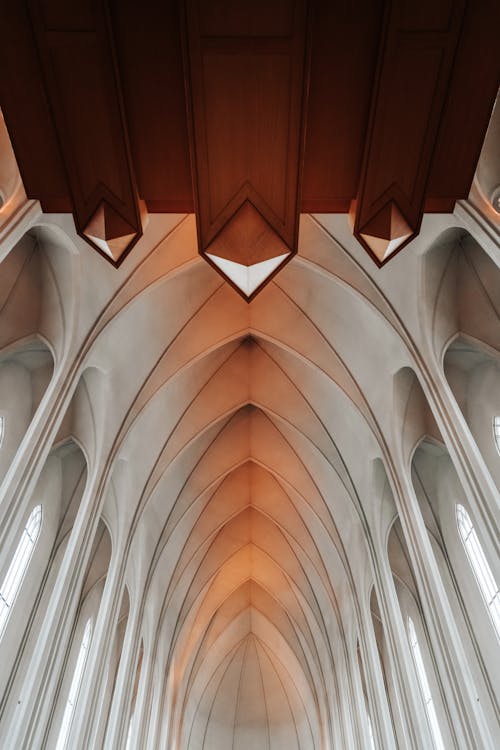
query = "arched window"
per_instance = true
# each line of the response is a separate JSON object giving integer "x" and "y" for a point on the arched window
{"x": 496, "y": 432}
{"x": 15, "y": 574}
{"x": 75, "y": 688}
{"x": 479, "y": 564}
{"x": 424, "y": 687}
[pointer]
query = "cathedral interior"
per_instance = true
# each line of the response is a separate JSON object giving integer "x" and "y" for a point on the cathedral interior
{"x": 249, "y": 375}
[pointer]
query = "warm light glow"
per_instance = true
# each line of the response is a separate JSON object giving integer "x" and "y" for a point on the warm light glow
{"x": 247, "y": 278}
{"x": 495, "y": 200}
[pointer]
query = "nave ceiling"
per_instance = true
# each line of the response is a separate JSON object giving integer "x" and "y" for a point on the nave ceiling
{"x": 244, "y": 455}
{"x": 248, "y": 495}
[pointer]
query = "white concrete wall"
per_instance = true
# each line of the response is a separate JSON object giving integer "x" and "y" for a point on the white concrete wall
{"x": 239, "y": 495}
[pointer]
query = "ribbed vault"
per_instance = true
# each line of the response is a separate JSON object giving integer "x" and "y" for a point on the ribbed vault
{"x": 249, "y": 462}
{"x": 244, "y": 507}
{"x": 246, "y": 503}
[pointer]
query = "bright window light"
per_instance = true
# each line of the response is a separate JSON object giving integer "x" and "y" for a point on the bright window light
{"x": 75, "y": 688}
{"x": 248, "y": 278}
{"x": 12, "y": 582}
{"x": 496, "y": 432}
{"x": 2, "y": 429}
{"x": 370, "y": 732}
{"x": 482, "y": 571}
{"x": 129, "y": 733}
{"x": 424, "y": 687}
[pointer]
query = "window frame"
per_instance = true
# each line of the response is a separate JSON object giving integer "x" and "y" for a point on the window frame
{"x": 424, "y": 687}
{"x": 371, "y": 737}
{"x": 75, "y": 687}
{"x": 496, "y": 432}
{"x": 478, "y": 563}
{"x": 16, "y": 572}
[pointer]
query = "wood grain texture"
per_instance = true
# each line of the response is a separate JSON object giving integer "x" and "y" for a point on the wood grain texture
{"x": 81, "y": 80}
{"x": 26, "y": 111}
{"x": 247, "y": 86}
{"x": 399, "y": 96}
{"x": 343, "y": 61}
{"x": 148, "y": 46}
{"x": 417, "y": 50}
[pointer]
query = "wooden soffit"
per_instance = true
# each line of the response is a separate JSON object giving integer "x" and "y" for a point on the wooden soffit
{"x": 248, "y": 113}
{"x": 246, "y": 74}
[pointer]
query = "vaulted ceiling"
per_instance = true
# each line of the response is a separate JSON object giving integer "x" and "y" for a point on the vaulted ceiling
{"x": 238, "y": 449}
{"x": 241, "y": 448}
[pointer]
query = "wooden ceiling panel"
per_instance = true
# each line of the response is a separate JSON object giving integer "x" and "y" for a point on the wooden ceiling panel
{"x": 260, "y": 18}
{"x": 417, "y": 50}
{"x": 471, "y": 95}
{"x": 77, "y": 57}
{"x": 247, "y": 82}
{"x": 248, "y": 112}
{"x": 149, "y": 54}
{"x": 25, "y": 108}
{"x": 344, "y": 51}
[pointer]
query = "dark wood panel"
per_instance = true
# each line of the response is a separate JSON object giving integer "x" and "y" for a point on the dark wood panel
{"x": 26, "y": 112}
{"x": 416, "y": 56}
{"x": 399, "y": 99}
{"x": 344, "y": 49}
{"x": 148, "y": 41}
{"x": 473, "y": 87}
{"x": 246, "y": 100}
{"x": 260, "y": 18}
{"x": 77, "y": 56}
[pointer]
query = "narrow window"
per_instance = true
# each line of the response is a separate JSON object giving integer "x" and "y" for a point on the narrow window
{"x": 424, "y": 687}
{"x": 17, "y": 569}
{"x": 370, "y": 731}
{"x": 496, "y": 432}
{"x": 75, "y": 688}
{"x": 2, "y": 429}
{"x": 129, "y": 733}
{"x": 479, "y": 564}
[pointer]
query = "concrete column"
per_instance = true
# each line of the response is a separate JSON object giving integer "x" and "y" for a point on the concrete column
{"x": 467, "y": 722}
{"x": 153, "y": 702}
{"x": 26, "y": 728}
{"x": 20, "y": 481}
{"x": 359, "y": 703}
{"x": 413, "y": 721}
{"x": 92, "y": 691}
{"x": 481, "y": 491}
{"x": 378, "y": 699}
{"x": 351, "y": 717}
{"x": 120, "y": 709}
